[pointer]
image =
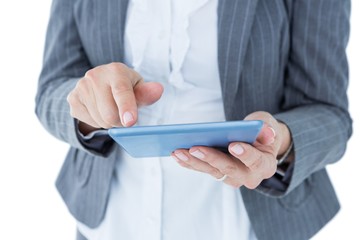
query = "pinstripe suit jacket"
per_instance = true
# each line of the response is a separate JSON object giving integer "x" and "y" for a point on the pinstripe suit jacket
{"x": 286, "y": 57}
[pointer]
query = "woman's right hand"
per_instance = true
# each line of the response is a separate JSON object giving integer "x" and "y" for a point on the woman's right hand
{"x": 109, "y": 95}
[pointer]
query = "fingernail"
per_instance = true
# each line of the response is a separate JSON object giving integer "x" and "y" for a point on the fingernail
{"x": 127, "y": 117}
{"x": 198, "y": 154}
{"x": 237, "y": 149}
{"x": 182, "y": 156}
{"x": 274, "y": 135}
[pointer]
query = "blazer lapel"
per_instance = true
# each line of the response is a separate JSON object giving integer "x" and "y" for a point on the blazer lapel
{"x": 111, "y": 17}
{"x": 235, "y": 18}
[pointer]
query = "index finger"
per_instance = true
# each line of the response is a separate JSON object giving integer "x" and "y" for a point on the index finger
{"x": 122, "y": 89}
{"x": 227, "y": 164}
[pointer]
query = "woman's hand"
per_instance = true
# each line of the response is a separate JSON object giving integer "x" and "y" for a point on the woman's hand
{"x": 109, "y": 95}
{"x": 246, "y": 164}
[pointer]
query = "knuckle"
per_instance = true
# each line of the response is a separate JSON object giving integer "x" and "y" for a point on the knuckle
{"x": 211, "y": 160}
{"x": 89, "y": 74}
{"x": 266, "y": 115}
{"x": 116, "y": 66}
{"x": 121, "y": 88}
{"x": 182, "y": 164}
{"x": 73, "y": 100}
{"x": 252, "y": 158}
{"x": 230, "y": 170}
{"x": 273, "y": 170}
{"x": 70, "y": 98}
{"x": 235, "y": 184}
{"x": 257, "y": 154}
{"x": 72, "y": 112}
{"x": 252, "y": 184}
{"x": 73, "y": 105}
{"x": 192, "y": 163}
{"x": 268, "y": 174}
{"x": 259, "y": 115}
{"x": 256, "y": 165}
{"x": 214, "y": 172}
{"x": 82, "y": 84}
{"x": 111, "y": 118}
{"x": 270, "y": 171}
{"x": 195, "y": 164}
{"x": 75, "y": 113}
{"x": 185, "y": 165}
{"x": 126, "y": 78}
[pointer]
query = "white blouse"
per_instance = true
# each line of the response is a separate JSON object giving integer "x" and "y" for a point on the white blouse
{"x": 175, "y": 43}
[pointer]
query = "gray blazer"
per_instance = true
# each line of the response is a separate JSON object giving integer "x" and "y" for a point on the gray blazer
{"x": 286, "y": 57}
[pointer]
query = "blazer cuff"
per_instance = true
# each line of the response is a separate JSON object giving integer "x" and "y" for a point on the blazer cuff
{"x": 277, "y": 185}
{"x": 97, "y": 142}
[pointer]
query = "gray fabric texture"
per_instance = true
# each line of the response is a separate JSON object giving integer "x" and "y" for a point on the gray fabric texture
{"x": 286, "y": 57}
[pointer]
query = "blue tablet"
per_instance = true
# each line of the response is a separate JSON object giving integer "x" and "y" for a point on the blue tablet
{"x": 162, "y": 140}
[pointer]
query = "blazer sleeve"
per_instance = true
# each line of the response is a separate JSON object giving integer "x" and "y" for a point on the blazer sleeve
{"x": 64, "y": 63}
{"x": 315, "y": 102}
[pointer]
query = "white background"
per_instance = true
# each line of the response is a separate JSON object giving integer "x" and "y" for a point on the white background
{"x": 30, "y": 207}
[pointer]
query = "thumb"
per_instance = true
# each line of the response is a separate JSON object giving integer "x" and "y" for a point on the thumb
{"x": 267, "y": 135}
{"x": 147, "y": 93}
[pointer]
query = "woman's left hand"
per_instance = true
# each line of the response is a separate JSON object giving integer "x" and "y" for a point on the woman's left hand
{"x": 246, "y": 164}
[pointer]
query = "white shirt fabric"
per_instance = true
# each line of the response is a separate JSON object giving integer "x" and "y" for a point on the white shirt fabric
{"x": 174, "y": 43}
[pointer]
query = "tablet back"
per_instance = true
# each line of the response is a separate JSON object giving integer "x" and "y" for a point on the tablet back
{"x": 162, "y": 140}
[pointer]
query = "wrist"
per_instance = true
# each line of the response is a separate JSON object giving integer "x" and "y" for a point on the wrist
{"x": 285, "y": 141}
